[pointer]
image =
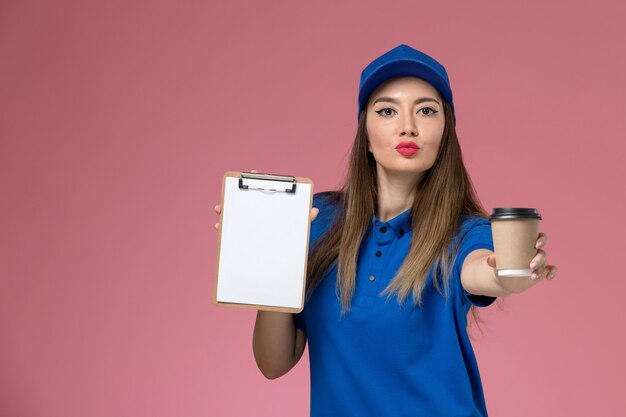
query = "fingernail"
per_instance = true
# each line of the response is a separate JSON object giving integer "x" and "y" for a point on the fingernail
{"x": 533, "y": 264}
{"x": 550, "y": 276}
{"x": 533, "y": 276}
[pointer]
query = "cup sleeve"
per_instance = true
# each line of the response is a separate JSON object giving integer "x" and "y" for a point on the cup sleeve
{"x": 475, "y": 234}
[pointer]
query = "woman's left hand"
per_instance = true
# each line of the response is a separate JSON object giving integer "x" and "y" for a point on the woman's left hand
{"x": 539, "y": 264}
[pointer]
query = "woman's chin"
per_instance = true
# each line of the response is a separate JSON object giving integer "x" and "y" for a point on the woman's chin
{"x": 403, "y": 171}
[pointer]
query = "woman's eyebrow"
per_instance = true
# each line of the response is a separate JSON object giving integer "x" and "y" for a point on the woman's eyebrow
{"x": 394, "y": 101}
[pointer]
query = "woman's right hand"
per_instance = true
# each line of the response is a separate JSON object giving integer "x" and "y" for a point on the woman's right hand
{"x": 218, "y": 210}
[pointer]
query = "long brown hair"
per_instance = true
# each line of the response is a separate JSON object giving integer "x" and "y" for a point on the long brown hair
{"x": 444, "y": 194}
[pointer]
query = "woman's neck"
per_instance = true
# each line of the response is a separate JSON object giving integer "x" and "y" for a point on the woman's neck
{"x": 396, "y": 193}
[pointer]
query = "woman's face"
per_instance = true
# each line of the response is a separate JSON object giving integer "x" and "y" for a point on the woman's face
{"x": 405, "y": 124}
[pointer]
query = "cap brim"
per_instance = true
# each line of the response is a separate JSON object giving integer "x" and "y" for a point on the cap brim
{"x": 402, "y": 68}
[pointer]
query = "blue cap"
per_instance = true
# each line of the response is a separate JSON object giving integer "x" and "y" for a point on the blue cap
{"x": 399, "y": 62}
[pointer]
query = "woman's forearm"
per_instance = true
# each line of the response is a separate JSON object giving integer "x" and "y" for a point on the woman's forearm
{"x": 276, "y": 343}
{"x": 511, "y": 285}
{"x": 479, "y": 278}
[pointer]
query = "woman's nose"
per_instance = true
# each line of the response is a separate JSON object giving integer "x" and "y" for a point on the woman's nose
{"x": 408, "y": 127}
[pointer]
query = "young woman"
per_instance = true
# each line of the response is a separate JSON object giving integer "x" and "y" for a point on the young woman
{"x": 398, "y": 258}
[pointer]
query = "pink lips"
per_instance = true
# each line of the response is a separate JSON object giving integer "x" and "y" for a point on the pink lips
{"x": 407, "y": 148}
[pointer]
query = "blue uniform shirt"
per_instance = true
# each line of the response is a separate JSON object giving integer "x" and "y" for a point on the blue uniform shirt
{"x": 382, "y": 359}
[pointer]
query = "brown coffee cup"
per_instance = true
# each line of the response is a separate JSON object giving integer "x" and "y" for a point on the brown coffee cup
{"x": 515, "y": 232}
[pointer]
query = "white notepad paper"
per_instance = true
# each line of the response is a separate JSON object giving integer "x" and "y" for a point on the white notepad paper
{"x": 263, "y": 243}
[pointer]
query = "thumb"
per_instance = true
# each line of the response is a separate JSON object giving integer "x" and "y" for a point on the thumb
{"x": 491, "y": 261}
{"x": 314, "y": 212}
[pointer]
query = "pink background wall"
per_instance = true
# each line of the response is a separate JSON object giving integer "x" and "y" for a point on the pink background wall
{"x": 118, "y": 118}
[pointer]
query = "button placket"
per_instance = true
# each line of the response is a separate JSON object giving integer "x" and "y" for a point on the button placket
{"x": 383, "y": 236}
{"x": 365, "y": 284}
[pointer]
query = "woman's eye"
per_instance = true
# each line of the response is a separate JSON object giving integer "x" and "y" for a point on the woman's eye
{"x": 386, "y": 112}
{"x": 427, "y": 111}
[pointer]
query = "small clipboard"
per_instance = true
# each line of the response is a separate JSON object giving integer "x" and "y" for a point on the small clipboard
{"x": 263, "y": 241}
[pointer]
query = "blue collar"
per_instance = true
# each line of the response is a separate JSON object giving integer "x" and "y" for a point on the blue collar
{"x": 400, "y": 224}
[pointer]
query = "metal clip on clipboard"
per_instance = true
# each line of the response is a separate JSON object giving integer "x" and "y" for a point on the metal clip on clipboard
{"x": 288, "y": 183}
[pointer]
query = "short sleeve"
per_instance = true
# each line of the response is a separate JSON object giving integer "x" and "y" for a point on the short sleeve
{"x": 326, "y": 202}
{"x": 475, "y": 234}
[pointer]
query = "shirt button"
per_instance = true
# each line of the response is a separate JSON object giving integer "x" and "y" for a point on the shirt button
{"x": 378, "y": 253}
{"x": 372, "y": 277}
{"x": 383, "y": 229}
